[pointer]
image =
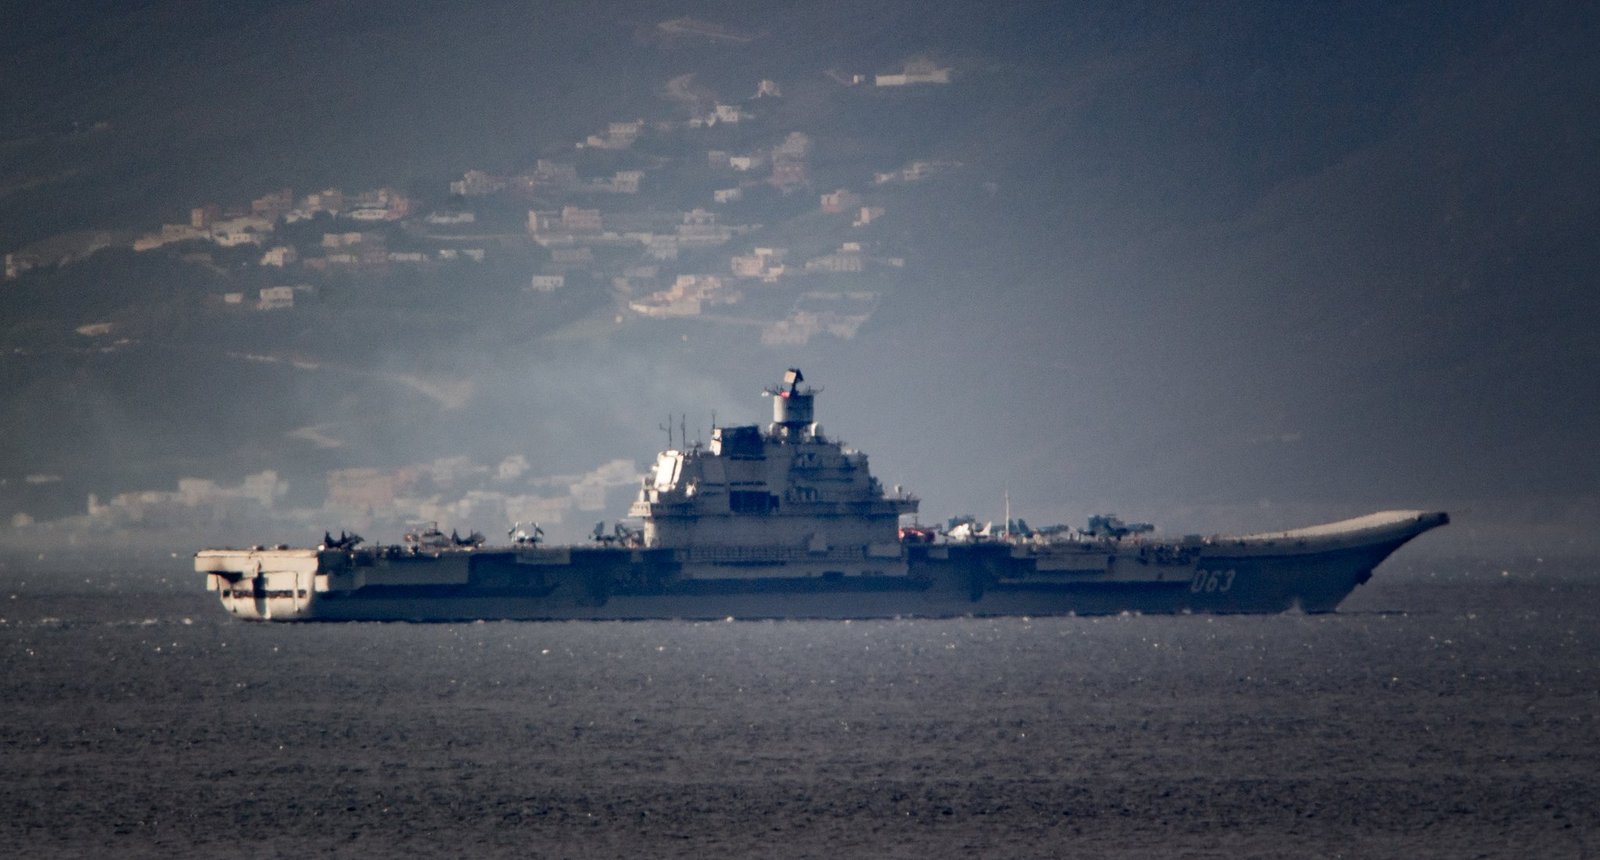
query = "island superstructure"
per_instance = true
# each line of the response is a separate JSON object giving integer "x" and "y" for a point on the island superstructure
{"x": 786, "y": 499}
{"x": 785, "y": 522}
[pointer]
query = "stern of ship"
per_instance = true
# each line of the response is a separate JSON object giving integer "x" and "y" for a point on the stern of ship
{"x": 264, "y": 584}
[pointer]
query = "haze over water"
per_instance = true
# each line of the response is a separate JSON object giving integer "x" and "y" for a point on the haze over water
{"x": 1448, "y": 710}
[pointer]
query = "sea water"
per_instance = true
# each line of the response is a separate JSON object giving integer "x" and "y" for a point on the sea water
{"x": 1449, "y": 709}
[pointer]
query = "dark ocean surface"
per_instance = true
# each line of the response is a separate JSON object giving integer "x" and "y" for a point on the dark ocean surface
{"x": 1448, "y": 710}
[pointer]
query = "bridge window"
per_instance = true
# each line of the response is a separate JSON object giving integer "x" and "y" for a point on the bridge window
{"x": 751, "y": 502}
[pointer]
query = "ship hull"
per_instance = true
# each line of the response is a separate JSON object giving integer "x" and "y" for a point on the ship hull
{"x": 1311, "y": 569}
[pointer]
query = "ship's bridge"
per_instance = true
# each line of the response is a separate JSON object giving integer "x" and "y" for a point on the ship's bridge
{"x": 786, "y": 486}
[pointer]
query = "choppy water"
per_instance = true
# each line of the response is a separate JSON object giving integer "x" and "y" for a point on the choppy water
{"x": 1446, "y": 713}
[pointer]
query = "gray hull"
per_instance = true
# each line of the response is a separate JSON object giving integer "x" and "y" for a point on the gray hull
{"x": 1311, "y": 569}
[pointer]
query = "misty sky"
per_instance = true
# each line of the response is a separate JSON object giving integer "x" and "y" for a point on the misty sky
{"x": 1219, "y": 265}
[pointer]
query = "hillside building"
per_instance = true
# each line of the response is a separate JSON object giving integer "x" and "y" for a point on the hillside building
{"x": 915, "y": 72}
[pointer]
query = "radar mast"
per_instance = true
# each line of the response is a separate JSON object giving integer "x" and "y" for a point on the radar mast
{"x": 793, "y": 411}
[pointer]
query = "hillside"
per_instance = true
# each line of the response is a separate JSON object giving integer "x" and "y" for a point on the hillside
{"x": 1226, "y": 268}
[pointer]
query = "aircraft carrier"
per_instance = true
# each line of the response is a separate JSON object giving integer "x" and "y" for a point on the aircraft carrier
{"x": 783, "y": 522}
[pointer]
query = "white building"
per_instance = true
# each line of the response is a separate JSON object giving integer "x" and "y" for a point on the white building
{"x": 687, "y": 296}
{"x": 700, "y": 228}
{"x": 275, "y": 298}
{"x": 763, "y": 263}
{"x": 342, "y": 240}
{"x": 477, "y": 183}
{"x": 234, "y": 240}
{"x": 661, "y": 247}
{"x": 868, "y": 215}
{"x": 915, "y": 72}
{"x": 847, "y": 259}
{"x": 626, "y": 181}
{"x": 280, "y": 256}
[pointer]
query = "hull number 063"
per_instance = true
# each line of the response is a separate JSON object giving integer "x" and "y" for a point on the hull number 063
{"x": 1208, "y": 581}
